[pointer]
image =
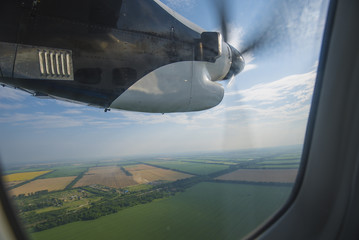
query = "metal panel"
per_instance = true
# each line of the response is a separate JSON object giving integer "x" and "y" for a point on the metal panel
{"x": 7, "y": 57}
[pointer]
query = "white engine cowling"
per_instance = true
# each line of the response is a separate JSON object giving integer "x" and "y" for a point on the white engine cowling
{"x": 176, "y": 87}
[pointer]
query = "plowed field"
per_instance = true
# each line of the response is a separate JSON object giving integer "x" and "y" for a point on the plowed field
{"x": 111, "y": 176}
{"x": 50, "y": 184}
{"x": 261, "y": 175}
{"x": 144, "y": 173}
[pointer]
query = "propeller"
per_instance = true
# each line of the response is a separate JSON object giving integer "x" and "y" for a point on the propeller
{"x": 243, "y": 129}
{"x": 271, "y": 27}
{"x": 237, "y": 59}
{"x": 222, "y": 15}
{"x": 263, "y": 32}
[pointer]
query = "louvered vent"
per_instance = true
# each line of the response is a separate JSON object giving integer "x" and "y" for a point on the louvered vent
{"x": 55, "y": 63}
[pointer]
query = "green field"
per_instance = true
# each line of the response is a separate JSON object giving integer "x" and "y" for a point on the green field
{"x": 25, "y": 170}
{"x": 140, "y": 187}
{"x": 65, "y": 172}
{"x": 211, "y": 161}
{"x": 289, "y": 156}
{"x": 75, "y": 170}
{"x": 281, "y": 162}
{"x": 282, "y": 166}
{"x": 190, "y": 167}
{"x": 205, "y": 211}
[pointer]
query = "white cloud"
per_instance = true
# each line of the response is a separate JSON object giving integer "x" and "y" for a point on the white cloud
{"x": 72, "y": 111}
{"x": 12, "y": 94}
{"x": 249, "y": 67}
{"x": 284, "y": 100}
{"x": 299, "y": 86}
{"x": 68, "y": 104}
{"x": 10, "y": 106}
{"x": 40, "y": 120}
{"x": 150, "y": 118}
{"x": 269, "y": 114}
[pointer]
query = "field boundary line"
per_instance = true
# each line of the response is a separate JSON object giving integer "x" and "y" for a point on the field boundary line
{"x": 194, "y": 161}
{"x": 176, "y": 170}
{"x": 73, "y": 182}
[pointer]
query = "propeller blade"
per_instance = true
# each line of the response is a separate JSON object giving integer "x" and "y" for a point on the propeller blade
{"x": 224, "y": 21}
{"x": 264, "y": 29}
{"x": 263, "y": 36}
{"x": 221, "y": 7}
{"x": 247, "y": 49}
{"x": 231, "y": 81}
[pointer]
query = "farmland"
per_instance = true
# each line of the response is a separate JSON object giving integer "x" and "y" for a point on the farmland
{"x": 50, "y": 184}
{"x": 144, "y": 173}
{"x": 283, "y": 161}
{"x": 211, "y": 160}
{"x": 64, "y": 172}
{"x": 108, "y": 176}
{"x": 205, "y": 211}
{"x": 276, "y": 166}
{"x": 115, "y": 177}
{"x": 12, "y": 184}
{"x": 185, "y": 197}
{"x": 24, "y": 176}
{"x": 261, "y": 175}
{"x": 197, "y": 168}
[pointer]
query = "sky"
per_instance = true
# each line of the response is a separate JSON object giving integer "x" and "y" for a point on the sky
{"x": 266, "y": 105}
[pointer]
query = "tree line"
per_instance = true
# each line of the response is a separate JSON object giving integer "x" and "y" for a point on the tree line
{"x": 111, "y": 202}
{"x": 98, "y": 209}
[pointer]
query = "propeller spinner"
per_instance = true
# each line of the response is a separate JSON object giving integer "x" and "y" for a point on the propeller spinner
{"x": 237, "y": 64}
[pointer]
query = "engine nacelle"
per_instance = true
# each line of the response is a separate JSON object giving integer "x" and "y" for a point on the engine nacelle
{"x": 177, "y": 87}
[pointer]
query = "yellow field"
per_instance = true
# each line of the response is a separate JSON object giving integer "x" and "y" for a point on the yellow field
{"x": 23, "y": 176}
{"x": 50, "y": 184}
{"x": 144, "y": 173}
{"x": 261, "y": 175}
{"x": 111, "y": 176}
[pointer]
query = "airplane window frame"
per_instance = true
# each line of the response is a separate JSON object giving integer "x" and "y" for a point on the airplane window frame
{"x": 325, "y": 206}
{"x": 8, "y": 209}
{"x": 19, "y": 232}
{"x": 310, "y": 124}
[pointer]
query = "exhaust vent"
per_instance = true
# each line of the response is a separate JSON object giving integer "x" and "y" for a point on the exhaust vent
{"x": 35, "y": 62}
{"x": 55, "y": 63}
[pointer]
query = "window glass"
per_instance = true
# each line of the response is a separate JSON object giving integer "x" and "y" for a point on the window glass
{"x": 76, "y": 172}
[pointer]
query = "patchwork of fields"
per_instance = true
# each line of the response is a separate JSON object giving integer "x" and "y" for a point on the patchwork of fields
{"x": 279, "y": 169}
{"x": 198, "y": 168}
{"x": 115, "y": 177}
{"x": 13, "y": 179}
{"x": 210, "y": 197}
{"x": 109, "y": 176}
